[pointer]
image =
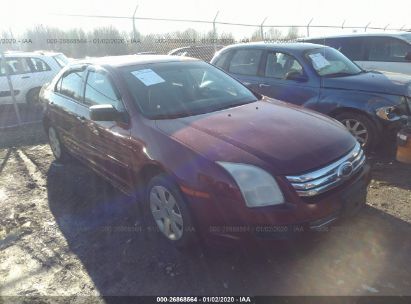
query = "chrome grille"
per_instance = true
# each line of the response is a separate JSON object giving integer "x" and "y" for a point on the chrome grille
{"x": 331, "y": 176}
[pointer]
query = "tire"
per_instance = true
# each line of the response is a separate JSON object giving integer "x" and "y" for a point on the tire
{"x": 59, "y": 151}
{"x": 361, "y": 127}
{"x": 174, "y": 223}
{"x": 32, "y": 97}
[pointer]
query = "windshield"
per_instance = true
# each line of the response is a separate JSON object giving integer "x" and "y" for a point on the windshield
{"x": 329, "y": 62}
{"x": 165, "y": 90}
{"x": 407, "y": 37}
{"x": 61, "y": 60}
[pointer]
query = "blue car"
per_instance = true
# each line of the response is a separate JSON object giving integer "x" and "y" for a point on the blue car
{"x": 369, "y": 104}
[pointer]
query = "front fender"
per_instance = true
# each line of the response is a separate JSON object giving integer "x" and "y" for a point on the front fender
{"x": 333, "y": 101}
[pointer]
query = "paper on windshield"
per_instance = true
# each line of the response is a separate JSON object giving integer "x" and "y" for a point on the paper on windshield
{"x": 319, "y": 61}
{"x": 148, "y": 77}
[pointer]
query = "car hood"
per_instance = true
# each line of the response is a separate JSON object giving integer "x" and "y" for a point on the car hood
{"x": 287, "y": 138}
{"x": 376, "y": 82}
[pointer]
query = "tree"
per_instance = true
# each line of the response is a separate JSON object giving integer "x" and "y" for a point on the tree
{"x": 273, "y": 34}
{"x": 292, "y": 33}
{"x": 255, "y": 36}
{"x": 104, "y": 41}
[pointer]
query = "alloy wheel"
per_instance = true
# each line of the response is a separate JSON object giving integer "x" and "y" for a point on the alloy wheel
{"x": 166, "y": 213}
{"x": 357, "y": 129}
{"x": 54, "y": 143}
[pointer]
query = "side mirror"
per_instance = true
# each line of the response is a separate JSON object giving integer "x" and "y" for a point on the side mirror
{"x": 408, "y": 56}
{"x": 256, "y": 94}
{"x": 104, "y": 112}
{"x": 296, "y": 76}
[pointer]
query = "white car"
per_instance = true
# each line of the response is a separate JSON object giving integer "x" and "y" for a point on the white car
{"x": 28, "y": 71}
{"x": 387, "y": 52}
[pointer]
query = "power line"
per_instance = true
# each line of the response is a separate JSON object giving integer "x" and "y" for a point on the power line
{"x": 236, "y": 24}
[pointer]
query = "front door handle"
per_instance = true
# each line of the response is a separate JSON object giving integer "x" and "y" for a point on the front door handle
{"x": 24, "y": 77}
{"x": 263, "y": 85}
{"x": 95, "y": 131}
{"x": 82, "y": 119}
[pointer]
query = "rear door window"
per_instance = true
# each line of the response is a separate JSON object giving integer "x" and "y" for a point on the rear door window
{"x": 245, "y": 62}
{"x": 15, "y": 66}
{"x": 387, "y": 49}
{"x": 38, "y": 65}
{"x": 352, "y": 47}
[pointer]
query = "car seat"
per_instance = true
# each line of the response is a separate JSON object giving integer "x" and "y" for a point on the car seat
{"x": 273, "y": 68}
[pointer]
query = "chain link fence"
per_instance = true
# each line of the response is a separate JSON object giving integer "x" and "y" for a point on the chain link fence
{"x": 116, "y": 35}
{"x": 119, "y": 35}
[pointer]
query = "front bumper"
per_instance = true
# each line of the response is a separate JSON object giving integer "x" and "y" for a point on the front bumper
{"x": 404, "y": 144}
{"x": 289, "y": 221}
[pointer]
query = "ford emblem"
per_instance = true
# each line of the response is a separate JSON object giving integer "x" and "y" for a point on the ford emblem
{"x": 345, "y": 170}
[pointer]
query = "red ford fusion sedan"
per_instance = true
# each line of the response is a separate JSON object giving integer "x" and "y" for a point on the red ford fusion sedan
{"x": 204, "y": 155}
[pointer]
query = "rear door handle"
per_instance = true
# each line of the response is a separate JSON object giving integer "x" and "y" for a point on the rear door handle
{"x": 24, "y": 77}
{"x": 263, "y": 85}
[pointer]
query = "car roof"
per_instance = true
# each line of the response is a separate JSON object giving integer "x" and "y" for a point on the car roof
{"x": 286, "y": 47}
{"x": 128, "y": 60}
{"x": 400, "y": 35}
{"x": 211, "y": 46}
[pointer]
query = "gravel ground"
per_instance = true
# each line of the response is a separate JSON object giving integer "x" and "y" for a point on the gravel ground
{"x": 65, "y": 231}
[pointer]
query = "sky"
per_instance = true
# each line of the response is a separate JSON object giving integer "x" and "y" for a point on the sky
{"x": 16, "y": 15}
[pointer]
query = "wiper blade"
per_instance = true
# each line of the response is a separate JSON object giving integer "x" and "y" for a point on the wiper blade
{"x": 340, "y": 74}
{"x": 171, "y": 116}
{"x": 233, "y": 105}
{"x": 199, "y": 112}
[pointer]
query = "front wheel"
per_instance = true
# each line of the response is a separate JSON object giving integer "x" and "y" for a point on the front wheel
{"x": 59, "y": 151}
{"x": 168, "y": 212}
{"x": 33, "y": 96}
{"x": 361, "y": 127}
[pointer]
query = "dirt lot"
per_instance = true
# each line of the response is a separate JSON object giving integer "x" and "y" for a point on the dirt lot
{"x": 28, "y": 114}
{"x": 64, "y": 231}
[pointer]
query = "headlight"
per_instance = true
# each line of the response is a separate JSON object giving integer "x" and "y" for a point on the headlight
{"x": 394, "y": 113}
{"x": 257, "y": 186}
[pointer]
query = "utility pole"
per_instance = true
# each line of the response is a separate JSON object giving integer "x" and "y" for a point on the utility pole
{"x": 215, "y": 32}
{"x": 308, "y": 27}
{"x": 262, "y": 28}
{"x": 134, "y": 25}
{"x": 13, "y": 97}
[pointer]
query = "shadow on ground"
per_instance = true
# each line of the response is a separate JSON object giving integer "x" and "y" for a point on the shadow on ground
{"x": 28, "y": 114}
{"x": 366, "y": 254}
{"x": 387, "y": 171}
{"x": 27, "y": 135}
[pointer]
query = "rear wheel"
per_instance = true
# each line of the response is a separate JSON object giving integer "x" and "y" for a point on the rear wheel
{"x": 59, "y": 151}
{"x": 168, "y": 212}
{"x": 361, "y": 127}
{"x": 33, "y": 96}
